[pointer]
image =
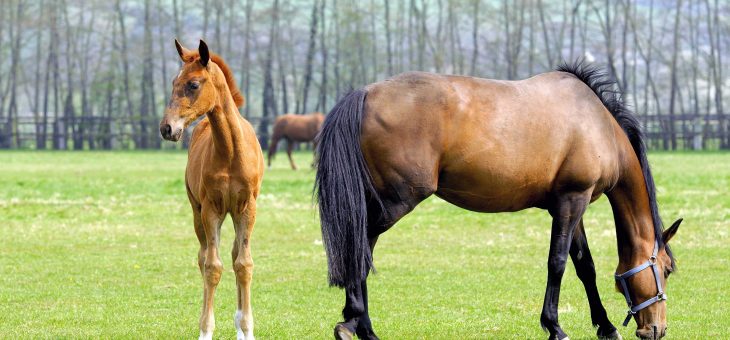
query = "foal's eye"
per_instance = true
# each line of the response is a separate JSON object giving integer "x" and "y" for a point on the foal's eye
{"x": 193, "y": 85}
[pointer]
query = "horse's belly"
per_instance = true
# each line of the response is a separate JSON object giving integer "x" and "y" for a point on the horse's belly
{"x": 490, "y": 189}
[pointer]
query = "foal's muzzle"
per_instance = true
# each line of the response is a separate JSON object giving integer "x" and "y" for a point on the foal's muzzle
{"x": 169, "y": 132}
{"x": 166, "y": 131}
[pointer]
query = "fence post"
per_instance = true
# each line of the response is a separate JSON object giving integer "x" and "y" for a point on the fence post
{"x": 697, "y": 127}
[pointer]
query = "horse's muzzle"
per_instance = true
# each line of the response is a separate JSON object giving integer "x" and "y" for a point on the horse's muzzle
{"x": 651, "y": 332}
{"x": 168, "y": 133}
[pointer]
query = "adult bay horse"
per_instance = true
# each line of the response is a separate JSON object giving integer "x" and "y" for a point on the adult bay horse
{"x": 294, "y": 128}
{"x": 223, "y": 175}
{"x": 556, "y": 141}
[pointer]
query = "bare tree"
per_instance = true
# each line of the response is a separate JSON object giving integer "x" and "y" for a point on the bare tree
{"x": 322, "y": 105}
{"x": 388, "y": 46}
{"x": 310, "y": 56}
{"x": 269, "y": 102}
{"x": 674, "y": 89}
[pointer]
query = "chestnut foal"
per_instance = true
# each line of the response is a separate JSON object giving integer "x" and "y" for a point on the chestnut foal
{"x": 223, "y": 175}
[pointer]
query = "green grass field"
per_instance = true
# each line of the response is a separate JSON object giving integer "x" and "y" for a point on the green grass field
{"x": 101, "y": 245}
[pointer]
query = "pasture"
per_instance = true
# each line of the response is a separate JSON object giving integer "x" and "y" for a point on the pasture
{"x": 101, "y": 245}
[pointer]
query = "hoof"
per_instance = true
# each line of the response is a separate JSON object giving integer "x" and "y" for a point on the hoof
{"x": 613, "y": 336}
{"x": 205, "y": 335}
{"x": 342, "y": 333}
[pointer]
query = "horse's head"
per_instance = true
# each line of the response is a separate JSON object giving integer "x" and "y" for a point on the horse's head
{"x": 193, "y": 92}
{"x": 645, "y": 285}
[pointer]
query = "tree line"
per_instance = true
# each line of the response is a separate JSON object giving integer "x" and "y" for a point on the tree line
{"x": 93, "y": 74}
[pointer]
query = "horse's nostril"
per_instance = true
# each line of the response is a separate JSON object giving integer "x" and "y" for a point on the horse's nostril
{"x": 166, "y": 130}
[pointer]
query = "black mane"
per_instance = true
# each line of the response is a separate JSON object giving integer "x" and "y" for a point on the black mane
{"x": 606, "y": 88}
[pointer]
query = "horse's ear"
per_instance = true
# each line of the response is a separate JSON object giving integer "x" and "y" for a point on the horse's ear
{"x": 181, "y": 51}
{"x": 204, "y": 54}
{"x": 669, "y": 233}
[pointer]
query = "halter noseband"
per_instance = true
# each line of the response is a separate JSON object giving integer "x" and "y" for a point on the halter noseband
{"x": 651, "y": 262}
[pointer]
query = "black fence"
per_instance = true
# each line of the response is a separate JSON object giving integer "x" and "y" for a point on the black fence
{"x": 680, "y": 132}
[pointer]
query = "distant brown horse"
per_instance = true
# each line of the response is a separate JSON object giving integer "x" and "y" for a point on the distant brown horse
{"x": 223, "y": 176}
{"x": 556, "y": 141}
{"x": 294, "y": 128}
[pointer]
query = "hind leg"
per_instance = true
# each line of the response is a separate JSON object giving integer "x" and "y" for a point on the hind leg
{"x": 583, "y": 262}
{"x": 356, "y": 314}
{"x": 289, "y": 147}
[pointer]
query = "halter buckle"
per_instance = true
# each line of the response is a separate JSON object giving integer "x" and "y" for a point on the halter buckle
{"x": 652, "y": 260}
{"x": 661, "y": 296}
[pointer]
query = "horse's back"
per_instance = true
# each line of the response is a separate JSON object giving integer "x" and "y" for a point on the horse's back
{"x": 298, "y": 128}
{"x": 490, "y": 145}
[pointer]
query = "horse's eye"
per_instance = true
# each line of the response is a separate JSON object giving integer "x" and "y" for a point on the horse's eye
{"x": 193, "y": 85}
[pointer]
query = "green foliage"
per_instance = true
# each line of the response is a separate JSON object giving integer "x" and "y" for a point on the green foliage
{"x": 100, "y": 245}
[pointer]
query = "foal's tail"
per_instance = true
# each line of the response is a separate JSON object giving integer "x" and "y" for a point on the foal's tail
{"x": 342, "y": 187}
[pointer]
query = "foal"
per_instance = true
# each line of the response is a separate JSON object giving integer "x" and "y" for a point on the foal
{"x": 223, "y": 175}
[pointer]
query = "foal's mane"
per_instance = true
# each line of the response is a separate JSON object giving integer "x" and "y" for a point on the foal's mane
{"x": 227, "y": 73}
{"x": 605, "y": 86}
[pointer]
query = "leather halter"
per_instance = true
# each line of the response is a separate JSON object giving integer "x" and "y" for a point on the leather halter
{"x": 651, "y": 262}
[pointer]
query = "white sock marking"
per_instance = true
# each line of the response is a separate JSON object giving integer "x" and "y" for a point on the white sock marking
{"x": 205, "y": 335}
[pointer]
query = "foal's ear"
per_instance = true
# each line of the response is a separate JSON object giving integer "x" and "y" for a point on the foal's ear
{"x": 181, "y": 51}
{"x": 204, "y": 54}
{"x": 669, "y": 233}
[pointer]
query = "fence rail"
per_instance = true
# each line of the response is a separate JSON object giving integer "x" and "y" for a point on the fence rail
{"x": 683, "y": 131}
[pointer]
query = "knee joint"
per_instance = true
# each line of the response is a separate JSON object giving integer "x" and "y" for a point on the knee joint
{"x": 213, "y": 271}
{"x": 557, "y": 263}
{"x": 243, "y": 267}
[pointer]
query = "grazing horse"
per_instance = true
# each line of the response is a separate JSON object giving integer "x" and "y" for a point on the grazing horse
{"x": 294, "y": 128}
{"x": 556, "y": 141}
{"x": 223, "y": 175}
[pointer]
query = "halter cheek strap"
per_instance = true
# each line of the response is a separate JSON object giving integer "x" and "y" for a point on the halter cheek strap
{"x": 623, "y": 279}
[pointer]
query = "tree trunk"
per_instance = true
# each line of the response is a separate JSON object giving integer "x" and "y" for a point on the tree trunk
{"x": 387, "y": 37}
{"x": 37, "y": 120}
{"x": 247, "y": 57}
{"x": 323, "y": 45}
{"x": 545, "y": 34}
{"x": 269, "y": 101}
{"x": 310, "y": 56}
{"x": 125, "y": 76}
{"x": 11, "y": 131}
{"x": 673, "y": 75}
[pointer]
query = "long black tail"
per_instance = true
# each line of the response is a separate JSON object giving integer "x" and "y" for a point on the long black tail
{"x": 606, "y": 88}
{"x": 343, "y": 186}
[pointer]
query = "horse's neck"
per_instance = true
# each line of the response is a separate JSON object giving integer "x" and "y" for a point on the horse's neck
{"x": 634, "y": 224}
{"x": 225, "y": 128}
